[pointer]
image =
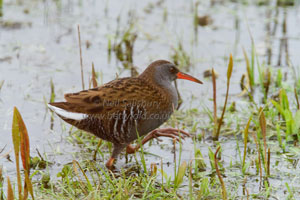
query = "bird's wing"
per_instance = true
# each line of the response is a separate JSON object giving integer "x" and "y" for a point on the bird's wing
{"x": 112, "y": 97}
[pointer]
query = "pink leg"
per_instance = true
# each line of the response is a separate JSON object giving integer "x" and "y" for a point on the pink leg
{"x": 166, "y": 132}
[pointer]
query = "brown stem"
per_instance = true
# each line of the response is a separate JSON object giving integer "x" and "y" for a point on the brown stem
{"x": 215, "y": 100}
{"x": 297, "y": 100}
{"x": 268, "y": 163}
{"x": 224, "y": 193}
{"x": 80, "y": 52}
{"x": 96, "y": 150}
{"x": 94, "y": 81}
{"x": 223, "y": 112}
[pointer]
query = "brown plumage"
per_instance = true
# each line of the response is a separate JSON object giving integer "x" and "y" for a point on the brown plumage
{"x": 119, "y": 110}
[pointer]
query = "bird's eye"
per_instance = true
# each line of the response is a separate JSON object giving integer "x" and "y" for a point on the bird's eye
{"x": 172, "y": 69}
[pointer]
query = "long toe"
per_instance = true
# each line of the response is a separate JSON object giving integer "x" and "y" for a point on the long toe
{"x": 168, "y": 135}
{"x": 175, "y": 130}
{"x": 177, "y": 134}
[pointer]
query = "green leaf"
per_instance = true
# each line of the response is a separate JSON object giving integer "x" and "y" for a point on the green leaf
{"x": 278, "y": 107}
{"x": 163, "y": 173}
{"x": 263, "y": 126}
{"x": 284, "y": 102}
{"x": 249, "y": 72}
{"x": 279, "y": 78}
{"x": 88, "y": 183}
{"x": 180, "y": 174}
{"x": 246, "y": 139}
{"x": 199, "y": 160}
{"x": 297, "y": 121}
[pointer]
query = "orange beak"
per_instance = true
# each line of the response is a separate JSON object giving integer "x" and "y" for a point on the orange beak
{"x": 181, "y": 75}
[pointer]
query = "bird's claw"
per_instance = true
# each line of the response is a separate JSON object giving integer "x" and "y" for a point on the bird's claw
{"x": 176, "y": 134}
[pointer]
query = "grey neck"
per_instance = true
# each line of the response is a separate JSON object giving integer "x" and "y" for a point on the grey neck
{"x": 169, "y": 87}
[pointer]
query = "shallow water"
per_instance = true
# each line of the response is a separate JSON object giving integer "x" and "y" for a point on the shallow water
{"x": 41, "y": 44}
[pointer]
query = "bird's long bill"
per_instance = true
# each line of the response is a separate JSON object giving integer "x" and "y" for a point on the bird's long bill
{"x": 181, "y": 75}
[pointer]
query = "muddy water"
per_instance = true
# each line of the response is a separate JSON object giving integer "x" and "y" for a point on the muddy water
{"x": 39, "y": 42}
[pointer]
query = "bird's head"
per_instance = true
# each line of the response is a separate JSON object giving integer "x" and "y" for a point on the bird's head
{"x": 162, "y": 71}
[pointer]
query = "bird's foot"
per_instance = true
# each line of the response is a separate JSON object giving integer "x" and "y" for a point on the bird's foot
{"x": 110, "y": 163}
{"x": 174, "y": 133}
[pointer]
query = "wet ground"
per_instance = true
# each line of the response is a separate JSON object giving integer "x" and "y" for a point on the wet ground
{"x": 39, "y": 43}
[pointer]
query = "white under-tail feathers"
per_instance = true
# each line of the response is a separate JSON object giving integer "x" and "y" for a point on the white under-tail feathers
{"x": 67, "y": 114}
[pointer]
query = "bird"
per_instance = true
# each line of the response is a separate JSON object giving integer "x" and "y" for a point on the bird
{"x": 125, "y": 109}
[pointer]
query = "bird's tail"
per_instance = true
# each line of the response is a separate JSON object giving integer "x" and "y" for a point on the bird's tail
{"x": 66, "y": 111}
